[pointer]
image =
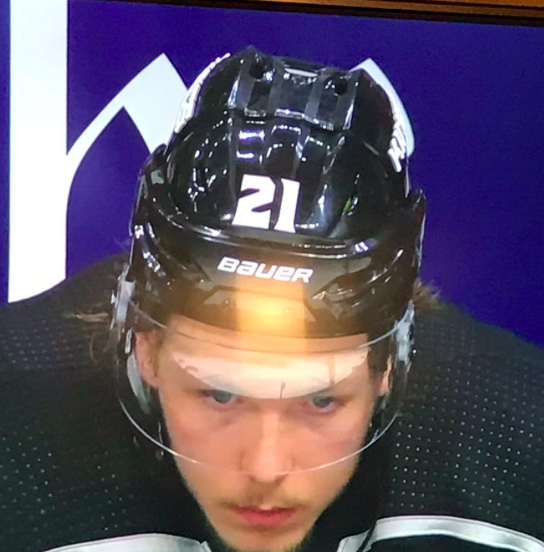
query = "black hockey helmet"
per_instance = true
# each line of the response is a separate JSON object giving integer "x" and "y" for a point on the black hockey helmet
{"x": 281, "y": 206}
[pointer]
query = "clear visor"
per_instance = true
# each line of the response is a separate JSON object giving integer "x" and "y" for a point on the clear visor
{"x": 250, "y": 403}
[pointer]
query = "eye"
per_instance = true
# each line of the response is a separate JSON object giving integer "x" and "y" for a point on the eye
{"x": 218, "y": 396}
{"x": 323, "y": 403}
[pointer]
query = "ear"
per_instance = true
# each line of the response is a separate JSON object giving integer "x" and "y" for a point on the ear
{"x": 385, "y": 384}
{"x": 145, "y": 352}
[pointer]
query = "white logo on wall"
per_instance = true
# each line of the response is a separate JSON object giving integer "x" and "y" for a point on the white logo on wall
{"x": 255, "y": 206}
{"x": 40, "y": 188}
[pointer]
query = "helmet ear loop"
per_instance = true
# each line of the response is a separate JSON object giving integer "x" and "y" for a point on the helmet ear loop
{"x": 150, "y": 401}
{"x": 148, "y": 398}
{"x": 146, "y": 395}
{"x": 397, "y": 356}
{"x": 162, "y": 435}
{"x": 120, "y": 302}
{"x": 379, "y": 355}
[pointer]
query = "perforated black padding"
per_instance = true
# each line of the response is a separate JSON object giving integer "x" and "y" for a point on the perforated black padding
{"x": 69, "y": 469}
{"x": 469, "y": 443}
{"x": 43, "y": 333}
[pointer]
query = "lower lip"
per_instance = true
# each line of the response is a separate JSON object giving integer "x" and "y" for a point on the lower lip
{"x": 265, "y": 518}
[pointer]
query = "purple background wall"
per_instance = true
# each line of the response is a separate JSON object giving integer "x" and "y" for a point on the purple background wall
{"x": 473, "y": 93}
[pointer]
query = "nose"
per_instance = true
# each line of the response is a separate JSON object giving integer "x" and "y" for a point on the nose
{"x": 267, "y": 457}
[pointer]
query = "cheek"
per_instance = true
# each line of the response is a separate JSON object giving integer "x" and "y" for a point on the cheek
{"x": 325, "y": 485}
{"x": 183, "y": 426}
{"x": 353, "y": 425}
{"x": 193, "y": 434}
{"x": 205, "y": 484}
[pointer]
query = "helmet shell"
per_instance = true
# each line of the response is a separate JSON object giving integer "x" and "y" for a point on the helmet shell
{"x": 283, "y": 178}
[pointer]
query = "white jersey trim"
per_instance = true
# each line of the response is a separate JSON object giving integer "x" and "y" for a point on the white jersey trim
{"x": 477, "y": 532}
{"x": 474, "y": 531}
{"x": 137, "y": 543}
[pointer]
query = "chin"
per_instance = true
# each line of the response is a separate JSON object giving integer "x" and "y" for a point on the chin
{"x": 259, "y": 540}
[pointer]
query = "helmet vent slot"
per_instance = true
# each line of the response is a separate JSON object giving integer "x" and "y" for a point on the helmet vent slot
{"x": 257, "y": 70}
{"x": 339, "y": 85}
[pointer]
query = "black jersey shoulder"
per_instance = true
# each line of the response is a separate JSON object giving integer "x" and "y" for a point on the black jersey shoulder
{"x": 470, "y": 441}
{"x": 44, "y": 332}
{"x": 69, "y": 468}
{"x": 468, "y": 445}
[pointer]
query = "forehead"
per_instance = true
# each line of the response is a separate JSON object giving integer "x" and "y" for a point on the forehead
{"x": 261, "y": 366}
{"x": 182, "y": 327}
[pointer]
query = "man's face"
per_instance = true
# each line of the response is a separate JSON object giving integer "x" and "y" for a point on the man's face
{"x": 263, "y": 468}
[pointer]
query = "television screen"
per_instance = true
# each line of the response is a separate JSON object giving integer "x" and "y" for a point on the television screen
{"x": 90, "y": 88}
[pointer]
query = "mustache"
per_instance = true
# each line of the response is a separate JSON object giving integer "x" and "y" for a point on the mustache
{"x": 269, "y": 505}
{"x": 263, "y": 500}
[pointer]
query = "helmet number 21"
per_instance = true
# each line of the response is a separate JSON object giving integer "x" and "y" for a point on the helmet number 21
{"x": 256, "y": 203}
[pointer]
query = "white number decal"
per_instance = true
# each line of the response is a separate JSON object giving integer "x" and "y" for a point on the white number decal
{"x": 402, "y": 141}
{"x": 251, "y": 209}
{"x": 398, "y": 148}
{"x": 288, "y": 209}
